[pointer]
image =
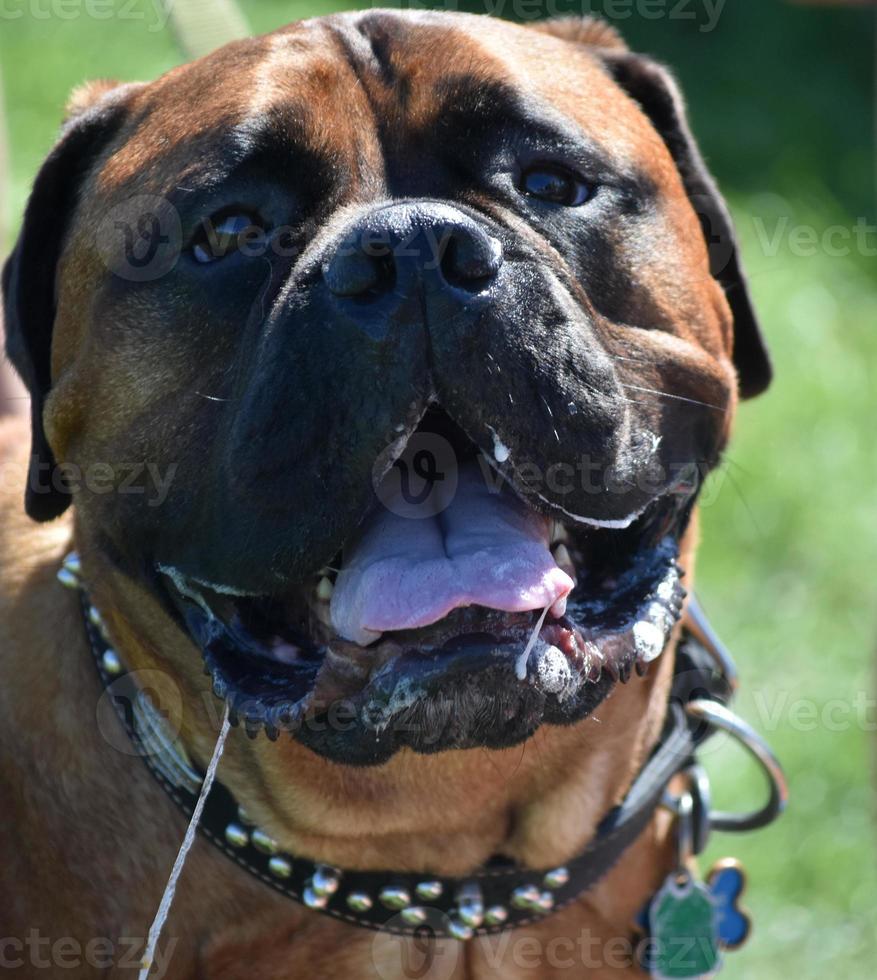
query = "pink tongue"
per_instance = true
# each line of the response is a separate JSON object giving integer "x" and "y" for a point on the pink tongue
{"x": 484, "y": 548}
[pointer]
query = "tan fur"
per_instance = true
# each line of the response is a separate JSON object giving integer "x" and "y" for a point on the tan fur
{"x": 101, "y": 834}
{"x": 96, "y": 834}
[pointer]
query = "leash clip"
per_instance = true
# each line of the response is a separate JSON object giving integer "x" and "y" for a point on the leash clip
{"x": 716, "y": 715}
{"x": 692, "y": 807}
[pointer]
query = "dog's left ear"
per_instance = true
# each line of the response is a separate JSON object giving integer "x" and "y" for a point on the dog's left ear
{"x": 29, "y": 294}
{"x": 653, "y": 87}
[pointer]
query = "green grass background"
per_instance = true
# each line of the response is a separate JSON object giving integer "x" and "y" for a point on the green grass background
{"x": 781, "y": 98}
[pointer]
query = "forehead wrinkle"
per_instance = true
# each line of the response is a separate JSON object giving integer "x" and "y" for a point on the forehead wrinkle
{"x": 304, "y": 84}
{"x": 366, "y": 104}
{"x": 395, "y": 68}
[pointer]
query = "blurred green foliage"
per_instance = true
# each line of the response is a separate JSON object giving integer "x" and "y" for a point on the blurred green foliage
{"x": 781, "y": 98}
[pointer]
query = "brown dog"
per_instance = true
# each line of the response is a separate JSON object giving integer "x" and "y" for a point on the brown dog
{"x": 241, "y": 295}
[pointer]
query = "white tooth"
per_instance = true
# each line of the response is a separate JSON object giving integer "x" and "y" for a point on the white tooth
{"x": 649, "y": 640}
{"x": 564, "y": 560}
{"x": 558, "y": 608}
{"x": 558, "y": 532}
{"x": 594, "y": 651}
{"x": 325, "y": 588}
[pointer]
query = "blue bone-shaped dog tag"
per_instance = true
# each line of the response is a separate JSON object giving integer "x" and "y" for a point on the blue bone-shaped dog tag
{"x": 727, "y": 882}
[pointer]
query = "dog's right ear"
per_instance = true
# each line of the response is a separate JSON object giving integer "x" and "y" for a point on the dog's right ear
{"x": 654, "y": 89}
{"x": 29, "y": 294}
{"x": 591, "y": 31}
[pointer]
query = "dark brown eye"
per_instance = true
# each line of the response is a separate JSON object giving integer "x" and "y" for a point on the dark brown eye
{"x": 222, "y": 236}
{"x": 555, "y": 185}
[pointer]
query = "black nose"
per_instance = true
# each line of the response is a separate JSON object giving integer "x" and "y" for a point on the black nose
{"x": 402, "y": 247}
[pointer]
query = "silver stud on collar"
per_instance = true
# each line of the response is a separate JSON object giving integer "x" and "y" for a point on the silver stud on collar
{"x": 95, "y": 618}
{"x": 263, "y": 842}
{"x": 280, "y": 867}
{"x": 313, "y": 900}
{"x": 496, "y": 915}
{"x": 414, "y": 915}
{"x": 73, "y": 564}
{"x": 429, "y": 891}
{"x": 395, "y": 898}
{"x": 110, "y": 662}
{"x": 67, "y": 578}
{"x": 459, "y": 930}
{"x": 237, "y": 835}
{"x": 556, "y": 878}
{"x": 470, "y": 904}
{"x": 546, "y": 902}
{"x": 70, "y": 572}
{"x": 526, "y": 897}
{"x": 325, "y": 880}
{"x": 359, "y": 902}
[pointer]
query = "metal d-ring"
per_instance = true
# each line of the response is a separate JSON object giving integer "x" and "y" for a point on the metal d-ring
{"x": 718, "y": 716}
{"x": 703, "y": 632}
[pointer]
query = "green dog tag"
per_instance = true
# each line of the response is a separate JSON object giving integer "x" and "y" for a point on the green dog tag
{"x": 683, "y": 929}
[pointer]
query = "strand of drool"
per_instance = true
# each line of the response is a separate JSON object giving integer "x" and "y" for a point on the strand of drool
{"x": 521, "y": 662}
{"x": 164, "y": 906}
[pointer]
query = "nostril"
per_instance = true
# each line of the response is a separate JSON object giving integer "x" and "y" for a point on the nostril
{"x": 471, "y": 259}
{"x": 412, "y": 249}
{"x": 360, "y": 274}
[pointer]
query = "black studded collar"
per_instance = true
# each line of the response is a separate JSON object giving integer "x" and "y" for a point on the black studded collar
{"x": 500, "y": 895}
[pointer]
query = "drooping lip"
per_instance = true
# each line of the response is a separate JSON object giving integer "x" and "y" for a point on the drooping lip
{"x": 459, "y": 683}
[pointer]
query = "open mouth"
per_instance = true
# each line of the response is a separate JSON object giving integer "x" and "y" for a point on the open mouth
{"x": 457, "y": 616}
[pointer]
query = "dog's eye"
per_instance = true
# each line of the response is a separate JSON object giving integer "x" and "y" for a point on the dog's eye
{"x": 220, "y": 236}
{"x": 555, "y": 185}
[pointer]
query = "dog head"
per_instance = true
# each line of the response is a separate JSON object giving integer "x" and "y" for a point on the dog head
{"x": 412, "y": 337}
